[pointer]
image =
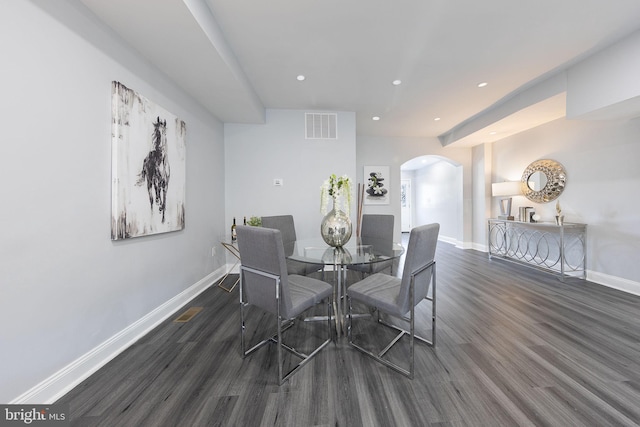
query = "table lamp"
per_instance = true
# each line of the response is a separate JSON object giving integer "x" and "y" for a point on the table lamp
{"x": 507, "y": 188}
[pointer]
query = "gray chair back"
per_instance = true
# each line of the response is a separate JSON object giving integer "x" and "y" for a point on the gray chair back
{"x": 377, "y": 226}
{"x": 421, "y": 251}
{"x": 377, "y": 229}
{"x": 284, "y": 223}
{"x": 262, "y": 249}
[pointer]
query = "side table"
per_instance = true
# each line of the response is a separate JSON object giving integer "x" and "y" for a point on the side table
{"x": 233, "y": 249}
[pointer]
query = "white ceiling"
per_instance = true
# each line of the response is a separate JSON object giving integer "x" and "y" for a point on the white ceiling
{"x": 238, "y": 57}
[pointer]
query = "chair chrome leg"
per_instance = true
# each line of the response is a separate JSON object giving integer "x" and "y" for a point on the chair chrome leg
{"x": 411, "y": 325}
{"x": 241, "y": 318}
{"x": 349, "y": 318}
{"x": 284, "y": 319}
{"x": 280, "y": 377}
{"x": 329, "y": 305}
{"x": 411, "y": 332}
{"x": 433, "y": 305}
{"x": 307, "y": 358}
{"x": 391, "y": 344}
{"x": 242, "y": 328}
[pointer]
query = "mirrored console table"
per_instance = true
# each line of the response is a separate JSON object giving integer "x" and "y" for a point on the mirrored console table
{"x": 558, "y": 249}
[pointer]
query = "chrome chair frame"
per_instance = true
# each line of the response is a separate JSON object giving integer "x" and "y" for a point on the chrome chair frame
{"x": 282, "y": 325}
{"x": 402, "y": 332}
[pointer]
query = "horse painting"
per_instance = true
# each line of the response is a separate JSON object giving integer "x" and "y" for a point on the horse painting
{"x": 155, "y": 168}
{"x": 146, "y": 138}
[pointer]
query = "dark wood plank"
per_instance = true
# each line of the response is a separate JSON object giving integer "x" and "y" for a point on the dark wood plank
{"x": 515, "y": 347}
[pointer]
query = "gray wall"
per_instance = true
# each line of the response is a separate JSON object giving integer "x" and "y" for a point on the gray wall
{"x": 394, "y": 151}
{"x": 601, "y": 160}
{"x": 66, "y": 288}
{"x": 482, "y": 155}
{"x": 437, "y": 192}
{"x": 603, "y": 177}
{"x": 256, "y": 154}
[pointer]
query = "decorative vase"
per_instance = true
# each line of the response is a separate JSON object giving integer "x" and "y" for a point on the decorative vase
{"x": 336, "y": 228}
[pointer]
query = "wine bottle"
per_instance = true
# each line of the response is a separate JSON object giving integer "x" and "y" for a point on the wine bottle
{"x": 234, "y": 236}
{"x": 245, "y": 221}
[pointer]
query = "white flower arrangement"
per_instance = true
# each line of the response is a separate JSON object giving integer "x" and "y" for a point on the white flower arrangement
{"x": 339, "y": 188}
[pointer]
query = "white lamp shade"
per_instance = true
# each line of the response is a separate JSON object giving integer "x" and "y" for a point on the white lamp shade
{"x": 507, "y": 188}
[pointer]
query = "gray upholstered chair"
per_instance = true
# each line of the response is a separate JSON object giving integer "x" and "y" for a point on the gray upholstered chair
{"x": 377, "y": 230}
{"x": 265, "y": 283}
{"x": 398, "y": 297}
{"x": 285, "y": 224}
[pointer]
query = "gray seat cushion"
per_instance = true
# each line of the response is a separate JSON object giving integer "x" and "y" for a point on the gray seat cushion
{"x": 378, "y": 290}
{"x": 306, "y": 292}
{"x": 302, "y": 268}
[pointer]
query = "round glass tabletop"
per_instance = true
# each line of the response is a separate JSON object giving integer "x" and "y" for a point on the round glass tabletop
{"x": 356, "y": 251}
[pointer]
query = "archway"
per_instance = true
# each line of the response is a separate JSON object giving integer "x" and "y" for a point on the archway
{"x": 432, "y": 191}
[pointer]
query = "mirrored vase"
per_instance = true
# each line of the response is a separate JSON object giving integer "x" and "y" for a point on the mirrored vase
{"x": 336, "y": 228}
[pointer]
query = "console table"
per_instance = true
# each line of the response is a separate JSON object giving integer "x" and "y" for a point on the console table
{"x": 559, "y": 249}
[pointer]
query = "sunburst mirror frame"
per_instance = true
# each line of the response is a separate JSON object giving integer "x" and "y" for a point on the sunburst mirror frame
{"x": 556, "y": 178}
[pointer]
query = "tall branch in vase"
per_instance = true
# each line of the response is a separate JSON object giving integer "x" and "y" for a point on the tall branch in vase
{"x": 359, "y": 208}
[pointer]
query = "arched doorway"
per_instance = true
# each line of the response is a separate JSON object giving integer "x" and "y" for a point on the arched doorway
{"x": 432, "y": 191}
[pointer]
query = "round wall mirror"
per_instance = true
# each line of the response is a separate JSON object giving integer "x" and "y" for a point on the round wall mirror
{"x": 537, "y": 181}
{"x": 543, "y": 181}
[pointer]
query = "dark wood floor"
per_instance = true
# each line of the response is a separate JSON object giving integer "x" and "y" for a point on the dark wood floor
{"x": 516, "y": 347}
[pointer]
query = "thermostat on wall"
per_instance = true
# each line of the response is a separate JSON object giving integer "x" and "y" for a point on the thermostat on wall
{"x": 278, "y": 182}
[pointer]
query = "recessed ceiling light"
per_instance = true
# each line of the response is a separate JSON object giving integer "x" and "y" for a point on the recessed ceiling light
{"x": 300, "y": 78}
{"x": 483, "y": 84}
{"x": 493, "y": 132}
{"x": 436, "y": 119}
{"x": 376, "y": 118}
{"x": 396, "y": 82}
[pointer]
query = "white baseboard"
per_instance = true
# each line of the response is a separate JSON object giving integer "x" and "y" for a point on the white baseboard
{"x": 479, "y": 247}
{"x": 607, "y": 280}
{"x": 60, "y": 383}
{"x": 455, "y": 242}
{"x": 233, "y": 269}
{"x": 614, "y": 282}
{"x": 447, "y": 239}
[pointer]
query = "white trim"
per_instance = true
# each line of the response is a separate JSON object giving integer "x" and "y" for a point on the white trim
{"x": 455, "y": 242}
{"x": 479, "y": 247}
{"x": 60, "y": 383}
{"x": 233, "y": 269}
{"x": 614, "y": 282}
{"x": 450, "y": 240}
{"x": 464, "y": 245}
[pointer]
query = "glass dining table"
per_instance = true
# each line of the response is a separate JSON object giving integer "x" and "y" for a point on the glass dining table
{"x": 357, "y": 251}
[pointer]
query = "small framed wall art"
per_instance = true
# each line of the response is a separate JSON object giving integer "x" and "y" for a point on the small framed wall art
{"x": 376, "y": 184}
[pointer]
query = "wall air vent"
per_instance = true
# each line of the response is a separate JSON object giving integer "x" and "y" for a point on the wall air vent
{"x": 321, "y": 125}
